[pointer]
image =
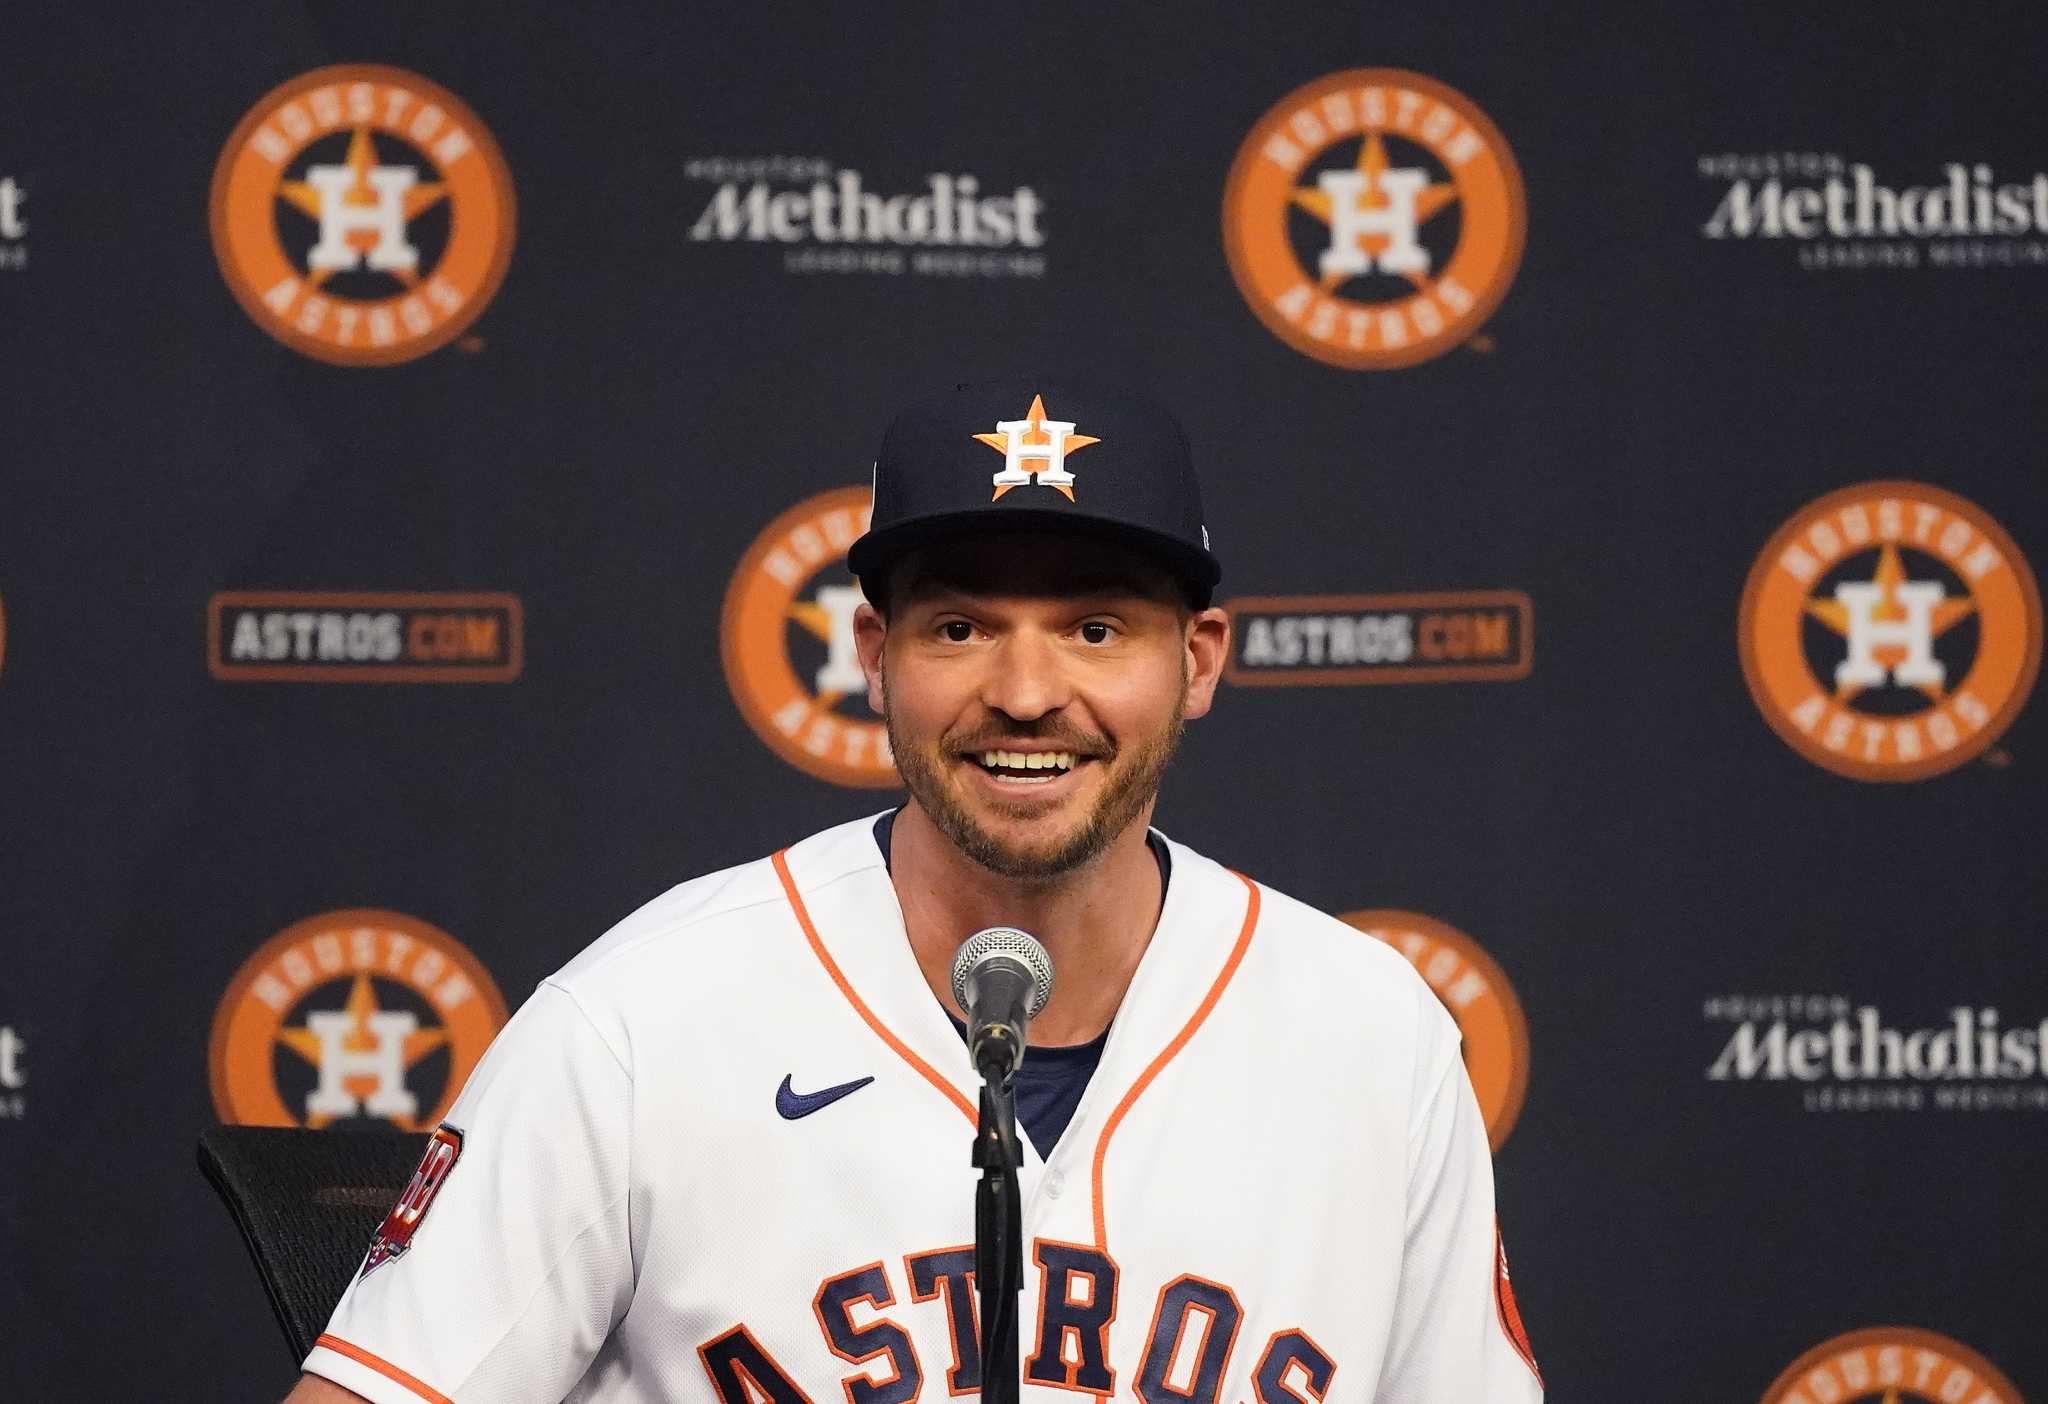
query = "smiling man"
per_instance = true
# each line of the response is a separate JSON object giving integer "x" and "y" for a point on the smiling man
{"x": 722, "y": 1154}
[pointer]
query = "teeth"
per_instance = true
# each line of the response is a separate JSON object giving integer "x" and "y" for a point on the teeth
{"x": 1028, "y": 760}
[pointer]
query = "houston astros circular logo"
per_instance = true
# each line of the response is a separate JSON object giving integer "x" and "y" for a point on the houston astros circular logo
{"x": 357, "y": 1015}
{"x": 1477, "y": 993}
{"x": 362, "y": 215}
{"x": 1892, "y": 1365}
{"x": 1890, "y": 631}
{"x": 1374, "y": 219}
{"x": 787, "y": 642}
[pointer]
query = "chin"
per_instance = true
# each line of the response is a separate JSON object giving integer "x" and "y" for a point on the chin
{"x": 1042, "y": 845}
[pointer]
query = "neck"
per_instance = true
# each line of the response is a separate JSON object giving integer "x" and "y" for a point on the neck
{"x": 1095, "y": 922}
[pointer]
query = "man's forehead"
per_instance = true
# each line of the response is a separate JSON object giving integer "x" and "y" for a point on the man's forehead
{"x": 1032, "y": 564}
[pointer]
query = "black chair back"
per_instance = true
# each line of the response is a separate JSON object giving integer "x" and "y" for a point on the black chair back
{"x": 307, "y": 1204}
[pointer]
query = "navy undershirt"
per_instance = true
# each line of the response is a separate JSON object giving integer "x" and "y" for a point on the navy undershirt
{"x": 1050, "y": 1081}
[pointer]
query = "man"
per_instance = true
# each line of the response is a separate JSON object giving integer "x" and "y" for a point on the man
{"x": 723, "y": 1153}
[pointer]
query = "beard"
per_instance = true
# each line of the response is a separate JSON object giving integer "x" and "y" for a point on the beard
{"x": 1133, "y": 782}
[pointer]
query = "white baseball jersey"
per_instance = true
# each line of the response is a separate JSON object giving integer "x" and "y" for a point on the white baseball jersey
{"x": 722, "y": 1155}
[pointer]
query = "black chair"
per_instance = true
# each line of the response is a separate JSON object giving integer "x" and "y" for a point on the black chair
{"x": 307, "y": 1204}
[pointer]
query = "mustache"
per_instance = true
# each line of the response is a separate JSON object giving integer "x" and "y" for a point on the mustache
{"x": 1057, "y": 735}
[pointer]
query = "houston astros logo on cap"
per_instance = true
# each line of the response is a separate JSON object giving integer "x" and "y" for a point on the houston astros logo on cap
{"x": 1895, "y": 1365}
{"x": 787, "y": 642}
{"x": 1035, "y": 449}
{"x": 362, "y": 215}
{"x": 1890, "y": 631}
{"x": 1374, "y": 218}
{"x": 934, "y": 478}
{"x": 1476, "y": 992}
{"x": 352, "y": 1015}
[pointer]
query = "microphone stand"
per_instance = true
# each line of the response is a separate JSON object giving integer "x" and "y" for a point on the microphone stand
{"x": 998, "y": 1236}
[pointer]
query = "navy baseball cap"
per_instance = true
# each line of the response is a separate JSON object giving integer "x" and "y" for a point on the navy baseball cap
{"x": 1039, "y": 455}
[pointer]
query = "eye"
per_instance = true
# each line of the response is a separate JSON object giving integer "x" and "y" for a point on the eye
{"x": 957, "y": 630}
{"x": 1095, "y": 632}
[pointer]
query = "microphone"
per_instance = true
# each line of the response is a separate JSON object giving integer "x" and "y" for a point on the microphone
{"x": 1002, "y": 977}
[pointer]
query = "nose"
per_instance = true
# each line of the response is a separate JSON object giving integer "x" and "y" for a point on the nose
{"x": 1026, "y": 678}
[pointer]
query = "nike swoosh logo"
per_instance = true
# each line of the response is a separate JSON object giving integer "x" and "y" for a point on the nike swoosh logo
{"x": 794, "y": 1104}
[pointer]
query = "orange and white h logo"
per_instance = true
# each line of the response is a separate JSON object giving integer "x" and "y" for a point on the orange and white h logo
{"x": 362, "y": 215}
{"x": 1909, "y": 625}
{"x": 788, "y": 645}
{"x": 1359, "y": 212}
{"x": 352, "y": 1015}
{"x": 1035, "y": 439}
{"x": 1373, "y": 218}
{"x": 359, "y": 197}
{"x": 1928, "y": 637}
{"x": 343, "y": 1056}
{"x": 835, "y": 605}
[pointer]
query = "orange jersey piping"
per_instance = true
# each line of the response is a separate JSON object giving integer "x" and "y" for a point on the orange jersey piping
{"x": 384, "y": 1368}
{"x": 1166, "y": 1055}
{"x": 897, "y": 1045}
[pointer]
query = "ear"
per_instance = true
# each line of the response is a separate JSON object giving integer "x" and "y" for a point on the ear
{"x": 870, "y": 632}
{"x": 1207, "y": 639}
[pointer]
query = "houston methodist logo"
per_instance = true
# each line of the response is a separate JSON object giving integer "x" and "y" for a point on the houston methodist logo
{"x": 1847, "y": 1056}
{"x": 1890, "y": 631}
{"x": 358, "y": 1014}
{"x": 1844, "y": 214}
{"x": 1374, "y": 219}
{"x": 362, "y": 215}
{"x": 1896, "y": 1364}
{"x": 13, "y": 225}
{"x": 1035, "y": 449}
{"x": 1477, "y": 993}
{"x": 827, "y": 218}
{"x": 787, "y": 641}
{"x": 13, "y": 1075}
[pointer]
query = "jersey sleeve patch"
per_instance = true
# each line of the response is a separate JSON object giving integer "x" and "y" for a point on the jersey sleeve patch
{"x": 1510, "y": 1313}
{"x": 444, "y": 1148}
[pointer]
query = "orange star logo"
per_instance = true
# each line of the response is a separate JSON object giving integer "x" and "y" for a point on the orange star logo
{"x": 362, "y": 1003}
{"x": 1035, "y": 439}
{"x": 371, "y": 1060}
{"x": 1864, "y": 1365}
{"x": 1890, "y": 574}
{"x": 1298, "y": 167}
{"x": 1888, "y": 708}
{"x": 362, "y": 159}
{"x": 791, "y": 599}
{"x": 1372, "y": 163}
{"x": 440, "y": 172}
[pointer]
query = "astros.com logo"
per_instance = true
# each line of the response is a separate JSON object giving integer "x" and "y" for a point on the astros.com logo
{"x": 352, "y": 1015}
{"x": 379, "y": 636}
{"x": 787, "y": 642}
{"x": 362, "y": 215}
{"x": 1374, "y": 218}
{"x": 1890, "y": 631}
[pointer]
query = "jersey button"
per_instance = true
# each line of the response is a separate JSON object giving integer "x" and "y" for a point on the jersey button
{"x": 1053, "y": 1186}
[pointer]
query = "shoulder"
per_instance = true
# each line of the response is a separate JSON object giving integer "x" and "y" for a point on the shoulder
{"x": 1291, "y": 931}
{"x": 712, "y": 921}
{"x": 1309, "y": 960}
